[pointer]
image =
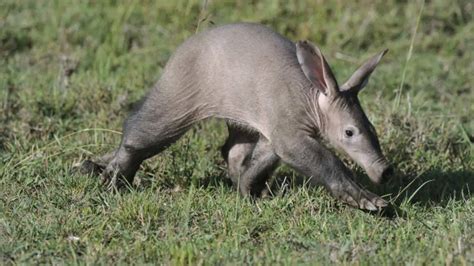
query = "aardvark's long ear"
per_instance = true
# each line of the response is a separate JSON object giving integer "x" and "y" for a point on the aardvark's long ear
{"x": 315, "y": 68}
{"x": 359, "y": 79}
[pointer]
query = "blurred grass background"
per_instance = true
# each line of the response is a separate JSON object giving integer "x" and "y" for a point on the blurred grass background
{"x": 71, "y": 70}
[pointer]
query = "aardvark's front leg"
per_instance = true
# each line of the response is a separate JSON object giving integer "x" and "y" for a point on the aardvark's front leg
{"x": 312, "y": 159}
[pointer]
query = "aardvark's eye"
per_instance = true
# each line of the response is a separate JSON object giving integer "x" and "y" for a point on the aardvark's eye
{"x": 349, "y": 133}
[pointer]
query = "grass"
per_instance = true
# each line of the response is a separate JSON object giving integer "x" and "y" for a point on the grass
{"x": 71, "y": 70}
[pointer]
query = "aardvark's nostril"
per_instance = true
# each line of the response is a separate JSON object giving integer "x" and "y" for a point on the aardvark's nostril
{"x": 387, "y": 173}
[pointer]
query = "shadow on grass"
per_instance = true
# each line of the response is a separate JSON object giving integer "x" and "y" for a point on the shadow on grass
{"x": 432, "y": 188}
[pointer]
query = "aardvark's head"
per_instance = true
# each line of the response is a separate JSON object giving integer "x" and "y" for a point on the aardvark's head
{"x": 343, "y": 122}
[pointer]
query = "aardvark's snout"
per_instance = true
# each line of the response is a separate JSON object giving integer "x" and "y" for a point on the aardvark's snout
{"x": 380, "y": 172}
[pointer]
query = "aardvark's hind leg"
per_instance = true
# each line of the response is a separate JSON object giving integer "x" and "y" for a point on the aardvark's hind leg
{"x": 237, "y": 151}
{"x": 144, "y": 136}
{"x": 250, "y": 160}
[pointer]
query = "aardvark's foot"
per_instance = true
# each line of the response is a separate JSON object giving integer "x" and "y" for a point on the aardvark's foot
{"x": 351, "y": 193}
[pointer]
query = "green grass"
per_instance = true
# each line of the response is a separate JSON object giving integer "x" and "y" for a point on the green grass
{"x": 71, "y": 70}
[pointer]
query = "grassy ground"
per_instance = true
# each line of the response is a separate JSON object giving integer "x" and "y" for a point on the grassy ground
{"x": 70, "y": 71}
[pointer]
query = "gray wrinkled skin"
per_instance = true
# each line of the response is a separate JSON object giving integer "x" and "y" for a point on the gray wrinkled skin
{"x": 280, "y": 99}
